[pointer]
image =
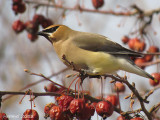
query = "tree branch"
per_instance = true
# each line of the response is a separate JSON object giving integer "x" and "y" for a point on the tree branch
{"x": 133, "y": 89}
{"x": 39, "y": 81}
{"x": 79, "y": 8}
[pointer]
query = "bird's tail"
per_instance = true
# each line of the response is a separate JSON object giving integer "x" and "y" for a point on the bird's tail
{"x": 129, "y": 66}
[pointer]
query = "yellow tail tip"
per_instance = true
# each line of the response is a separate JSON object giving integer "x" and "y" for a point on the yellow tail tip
{"x": 155, "y": 80}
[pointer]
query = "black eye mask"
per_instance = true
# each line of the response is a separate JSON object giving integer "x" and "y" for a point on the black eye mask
{"x": 51, "y": 30}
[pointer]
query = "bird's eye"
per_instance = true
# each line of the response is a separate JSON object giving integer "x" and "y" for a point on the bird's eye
{"x": 51, "y": 30}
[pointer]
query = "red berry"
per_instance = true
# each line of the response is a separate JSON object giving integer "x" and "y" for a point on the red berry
{"x": 137, "y": 118}
{"x": 121, "y": 118}
{"x": 139, "y": 61}
{"x": 31, "y": 27}
{"x": 47, "y": 108}
{"x": 153, "y": 49}
{"x": 148, "y": 58}
{"x": 125, "y": 39}
{"x": 18, "y": 26}
{"x": 19, "y": 7}
{"x": 37, "y": 18}
{"x": 76, "y": 106}
{"x": 65, "y": 117}
{"x": 92, "y": 109}
{"x": 139, "y": 46}
{"x": 30, "y": 114}
{"x": 104, "y": 109}
{"x": 94, "y": 104}
{"x": 15, "y": 7}
{"x": 22, "y": 8}
{"x": 64, "y": 102}
{"x": 46, "y": 22}
{"x": 157, "y": 77}
{"x": 113, "y": 99}
{"x": 55, "y": 113}
{"x": 131, "y": 43}
{"x": 3, "y": 116}
{"x": 97, "y": 3}
{"x": 136, "y": 44}
{"x": 119, "y": 87}
{"x": 51, "y": 88}
{"x": 32, "y": 37}
{"x": 87, "y": 112}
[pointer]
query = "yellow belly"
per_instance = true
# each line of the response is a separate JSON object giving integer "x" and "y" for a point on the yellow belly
{"x": 98, "y": 63}
{"x": 102, "y": 63}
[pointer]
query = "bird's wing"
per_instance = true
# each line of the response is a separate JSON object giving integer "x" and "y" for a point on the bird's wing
{"x": 95, "y": 42}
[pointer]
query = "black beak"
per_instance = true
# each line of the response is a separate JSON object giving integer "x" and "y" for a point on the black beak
{"x": 44, "y": 34}
{"x": 41, "y": 33}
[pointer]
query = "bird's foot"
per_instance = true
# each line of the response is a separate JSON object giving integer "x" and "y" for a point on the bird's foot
{"x": 82, "y": 74}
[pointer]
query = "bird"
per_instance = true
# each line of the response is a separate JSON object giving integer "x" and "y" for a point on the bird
{"x": 92, "y": 53}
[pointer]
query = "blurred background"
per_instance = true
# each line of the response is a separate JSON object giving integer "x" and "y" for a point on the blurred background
{"x": 21, "y": 51}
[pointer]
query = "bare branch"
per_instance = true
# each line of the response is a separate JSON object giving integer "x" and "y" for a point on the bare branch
{"x": 79, "y": 8}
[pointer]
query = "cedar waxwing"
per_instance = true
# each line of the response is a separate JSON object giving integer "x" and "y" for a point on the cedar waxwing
{"x": 93, "y": 53}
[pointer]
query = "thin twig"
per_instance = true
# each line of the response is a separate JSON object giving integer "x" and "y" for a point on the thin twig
{"x": 155, "y": 108}
{"x": 39, "y": 81}
{"x": 131, "y": 112}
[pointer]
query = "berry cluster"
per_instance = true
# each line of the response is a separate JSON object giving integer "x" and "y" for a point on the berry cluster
{"x": 134, "y": 43}
{"x": 18, "y": 6}
{"x": 31, "y": 26}
{"x": 30, "y": 114}
{"x": 137, "y": 45}
{"x": 67, "y": 107}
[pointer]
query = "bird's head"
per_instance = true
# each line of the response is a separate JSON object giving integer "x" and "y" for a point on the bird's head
{"x": 55, "y": 33}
